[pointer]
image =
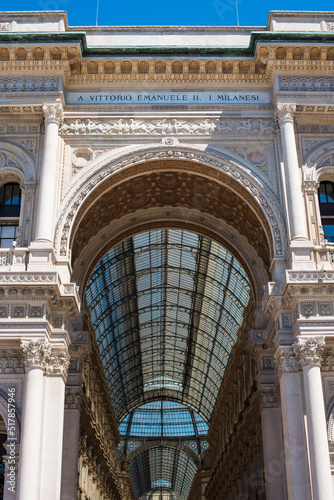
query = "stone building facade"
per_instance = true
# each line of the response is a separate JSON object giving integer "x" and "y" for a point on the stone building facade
{"x": 111, "y": 136}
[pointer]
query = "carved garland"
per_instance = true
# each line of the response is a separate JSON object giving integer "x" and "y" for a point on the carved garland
{"x": 84, "y": 189}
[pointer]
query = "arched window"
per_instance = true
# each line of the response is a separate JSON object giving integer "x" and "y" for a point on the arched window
{"x": 326, "y": 204}
{"x": 10, "y": 205}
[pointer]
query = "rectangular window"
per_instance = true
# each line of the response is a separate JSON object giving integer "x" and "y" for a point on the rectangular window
{"x": 7, "y": 236}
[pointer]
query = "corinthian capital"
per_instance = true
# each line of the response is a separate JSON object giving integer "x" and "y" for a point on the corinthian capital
{"x": 285, "y": 112}
{"x": 53, "y": 113}
{"x": 58, "y": 363}
{"x": 286, "y": 360}
{"x": 310, "y": 350}
{"x": 35, "y": 353}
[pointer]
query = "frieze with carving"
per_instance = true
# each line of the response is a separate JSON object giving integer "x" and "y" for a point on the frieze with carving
{"x": 29, "y": 84}
{"x": 11, "y": 362}
{"x": 174, "y": 126}
{"x": 306, "y": 84}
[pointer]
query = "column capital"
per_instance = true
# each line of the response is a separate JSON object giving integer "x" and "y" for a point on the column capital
{"x": 73, "y": 398}
{"x": 58, "y": 363}
{"x": 285, "y": 112}
{"x": 310, "y": 350}
{"x": 35, "y": 353}
{"x": 286, "y": 360}
{"x": 269, "y": 397}
{"x": 53, "y": 113}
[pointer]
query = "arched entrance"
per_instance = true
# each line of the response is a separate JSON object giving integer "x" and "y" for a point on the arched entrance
{"x": 167, "y": 255}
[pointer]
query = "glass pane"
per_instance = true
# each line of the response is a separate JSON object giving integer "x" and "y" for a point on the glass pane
{"x": 8, "y": 231}
{"x": 329, "y": 232}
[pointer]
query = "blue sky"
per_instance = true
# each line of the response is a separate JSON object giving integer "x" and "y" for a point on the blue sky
{"x": 170, "y": 12}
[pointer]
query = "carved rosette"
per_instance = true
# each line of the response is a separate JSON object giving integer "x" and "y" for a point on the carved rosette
{"x": 53, "y": 113}
{"x": 35, "y": 353}
{"x": 286, "y": 360}
{"x": 285, "y": 113}
{"x": 310, "y": 351}
{"x": 269, "y": 397}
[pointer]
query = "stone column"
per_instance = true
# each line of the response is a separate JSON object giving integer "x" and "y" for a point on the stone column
{"x": 295, "y": 449}
{"x": 272, "y": 439}
{"x": 48, "y": 182}
{"x": 36, "y": 353}
{"x": 53, "y": 425}
{"x": 309, "y": 351}
{"x": 69, "y": 480}
{"x": 296, "y": 206}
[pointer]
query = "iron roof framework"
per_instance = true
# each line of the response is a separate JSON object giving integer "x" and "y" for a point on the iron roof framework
{"x": 166, "y": 306}
{"x": 162, "y": 468}
{"x": 165, "y": 420}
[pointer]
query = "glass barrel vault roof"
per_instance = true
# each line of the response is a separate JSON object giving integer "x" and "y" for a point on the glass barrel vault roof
{"x": 163, "y": 419}
{"x": 166, "y": 306}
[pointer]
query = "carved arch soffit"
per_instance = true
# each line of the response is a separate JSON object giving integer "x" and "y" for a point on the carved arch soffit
{"x": 14, "y": 160}
{"x": 235, "y": 179}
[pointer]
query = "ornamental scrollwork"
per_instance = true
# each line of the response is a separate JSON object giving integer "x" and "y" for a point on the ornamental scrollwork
{"x": 310, "y": 350}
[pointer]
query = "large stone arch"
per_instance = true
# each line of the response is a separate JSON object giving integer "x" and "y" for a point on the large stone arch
{"x": 16, "y": 161}
{"x": 215, "y": 177}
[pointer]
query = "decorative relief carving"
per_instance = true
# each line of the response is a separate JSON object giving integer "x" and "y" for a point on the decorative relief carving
{"x": 57, "y": 363}
{"x": 269, "y": 397}
{"x": 285, "y": 112}
{"x": 11, "y": 362}
{"x": 53, "y": 113}
{"x": 29, "y": 84}
{"x": 18, "y": 311}
{"x": 327, "y": 364}
{"x": 39, "y": 354}
{"x": 308, "y": 309}
{"x": 286, "y": 360}
{"x": 174, "y": 188}
{"x": 32, "y": 278}
{"x": 5, "y": 26}
{"x": 73, "y": 398}
{"x": 302, "y": 84}
{"x": 250, "y": 126}
{"x": 35, "y": 353}
{"x": 80, "y": 196}
{"x": 310, "y": 350}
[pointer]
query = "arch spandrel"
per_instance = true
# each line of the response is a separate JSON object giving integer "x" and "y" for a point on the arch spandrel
{"x": 14, "y": 160}
{"x": 206, "y": 165}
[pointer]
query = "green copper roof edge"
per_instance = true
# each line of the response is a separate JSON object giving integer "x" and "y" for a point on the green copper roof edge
{"x": 255, "y": 38}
